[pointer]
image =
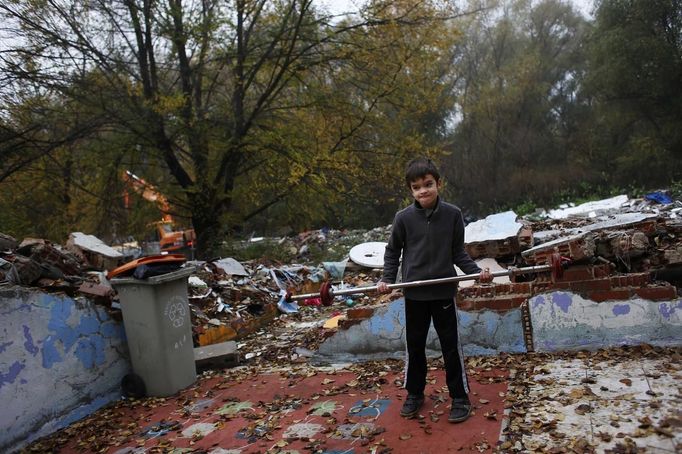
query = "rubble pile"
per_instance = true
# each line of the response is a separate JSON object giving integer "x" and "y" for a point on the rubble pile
{"x": 40, "y": 263}
{"x": 233, "y": 300}
{"x": 307, "y": 247}
{"x": 232, "y": 307}
{"x": 630, "y": 242}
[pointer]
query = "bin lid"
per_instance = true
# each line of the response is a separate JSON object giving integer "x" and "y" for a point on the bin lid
{"x": 129, "y": 267}
{"x": 154, "y": 280}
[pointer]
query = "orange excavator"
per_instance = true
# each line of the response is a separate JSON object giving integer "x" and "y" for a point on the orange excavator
{"x": 170, "y": 238}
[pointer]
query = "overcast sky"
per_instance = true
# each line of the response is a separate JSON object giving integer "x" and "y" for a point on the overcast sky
{"x": 342, "y": 6}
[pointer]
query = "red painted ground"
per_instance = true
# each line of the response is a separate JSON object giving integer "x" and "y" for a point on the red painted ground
{"x": 272, "y": 413}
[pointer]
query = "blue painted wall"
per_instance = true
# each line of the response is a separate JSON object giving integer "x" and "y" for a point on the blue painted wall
{"x": 383, "y": 335}
{"x": 567, "y": 321}
{"x": 60, "y": 360}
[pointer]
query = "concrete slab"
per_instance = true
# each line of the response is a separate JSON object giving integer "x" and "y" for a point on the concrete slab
{"x": 590, "y": 209}
{"x": 613, "y": 221}
{"x": 497, "y": 235}
{"x": 550, "y": 245}
{"x": 495, "y": 227}
{"x": 607, "y": 402}
{"x": 576, "y": 247}
{"x": 616, "y": 221}
{"x": 217, "y": 356}
{"x": 231, "y": 267}
{"x": 93, "y": 244}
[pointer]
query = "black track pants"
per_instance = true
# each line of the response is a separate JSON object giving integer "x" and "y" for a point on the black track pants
{"x": 418, "y": 316}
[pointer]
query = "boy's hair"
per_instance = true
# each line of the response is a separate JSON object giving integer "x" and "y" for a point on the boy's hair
{"x": 419, "y": 168}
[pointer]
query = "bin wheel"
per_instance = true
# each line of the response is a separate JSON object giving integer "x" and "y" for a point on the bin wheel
{"x": 133, "y": 386}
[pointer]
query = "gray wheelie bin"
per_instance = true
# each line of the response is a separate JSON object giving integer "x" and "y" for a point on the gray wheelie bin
{"x": 157, "y": 324}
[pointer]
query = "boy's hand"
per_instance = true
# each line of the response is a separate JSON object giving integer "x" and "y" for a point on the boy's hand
{"x": 382, "y": 287}
{"x": 485, "y": 276}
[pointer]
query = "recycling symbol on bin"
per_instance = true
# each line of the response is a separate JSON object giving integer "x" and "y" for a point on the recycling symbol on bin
{"x": 176, "y": 311}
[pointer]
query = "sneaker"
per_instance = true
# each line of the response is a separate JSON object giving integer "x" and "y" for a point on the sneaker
{"x": 412, "y": 405}
{"x": 460, "y": 410}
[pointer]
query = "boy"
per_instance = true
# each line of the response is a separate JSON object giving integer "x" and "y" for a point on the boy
{"x": 430, "y": 236}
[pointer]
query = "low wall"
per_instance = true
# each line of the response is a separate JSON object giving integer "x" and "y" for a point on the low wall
{"x": 60, "y": 360}
{"x": 567, "y": 321}
{"x": 382, "y": 335}
{"x": 559, "y": 320}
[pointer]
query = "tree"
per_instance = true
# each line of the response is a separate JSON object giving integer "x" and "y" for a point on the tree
{"x": 201, "y": 92}
{"x": 520, "y": 73}
{"x": 635, "y": 71}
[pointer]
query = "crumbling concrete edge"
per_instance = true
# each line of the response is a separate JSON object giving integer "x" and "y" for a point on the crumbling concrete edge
{"x": 381, "y": 335}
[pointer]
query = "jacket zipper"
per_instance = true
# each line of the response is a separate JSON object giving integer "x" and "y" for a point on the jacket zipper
{"x": 429, "y": 242}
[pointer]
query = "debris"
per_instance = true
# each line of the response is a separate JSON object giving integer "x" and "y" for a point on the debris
{"x": 590, "y": 209}
{"x": 333, "y": 322}
{"x": 496, "y": 235}
{"x": 7, "y": 243}
{"x": 231, "y": 267}
{"x": 8, "y": 272}
{"x": 659, "y": 197}
{"x": 217, "y": 356}
{"x": 93, "y": 251}
{"x": 370, "y": 255}
{"x": 233, "y": 300}
{"x": 195, "y": 281}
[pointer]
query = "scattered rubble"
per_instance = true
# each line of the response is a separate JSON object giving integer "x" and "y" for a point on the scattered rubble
{"x": 93, "y": 251}
{"x": 234, "y": 308}
{"x": 235, "y": 301}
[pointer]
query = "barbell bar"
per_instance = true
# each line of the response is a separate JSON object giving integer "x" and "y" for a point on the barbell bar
{"x": 556, "y": 266}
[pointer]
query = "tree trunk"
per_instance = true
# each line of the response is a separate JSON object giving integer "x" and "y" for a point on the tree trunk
{"x": 206, "y": 220}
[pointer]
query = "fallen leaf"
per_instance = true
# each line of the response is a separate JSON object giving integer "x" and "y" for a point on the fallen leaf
{"x": 605, "y": 436}
{"x": 583, "y": 408}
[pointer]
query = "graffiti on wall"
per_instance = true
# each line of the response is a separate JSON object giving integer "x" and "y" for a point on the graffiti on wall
{"x": 59, "y": 357}
{"x": 566, "y": 321}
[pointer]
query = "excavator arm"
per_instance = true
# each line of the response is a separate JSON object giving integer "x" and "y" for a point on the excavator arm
{"x": 171, "y": 239}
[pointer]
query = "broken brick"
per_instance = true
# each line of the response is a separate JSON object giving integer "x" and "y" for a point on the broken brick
{"x": 659, "y": 292}
{"x": 359, "y": 313}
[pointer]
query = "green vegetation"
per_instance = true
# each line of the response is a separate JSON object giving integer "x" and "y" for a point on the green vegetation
{"x": 272, "y": 116}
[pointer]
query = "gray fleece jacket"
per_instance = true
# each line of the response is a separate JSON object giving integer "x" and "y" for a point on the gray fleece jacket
{"x": 430, "y": 246}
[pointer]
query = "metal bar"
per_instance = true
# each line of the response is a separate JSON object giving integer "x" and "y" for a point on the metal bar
{"x": 443, "y": 280}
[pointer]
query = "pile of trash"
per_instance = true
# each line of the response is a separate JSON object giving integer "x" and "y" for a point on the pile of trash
{"x": 306, "y": 247}
{"x": 230, "y": 300}
{"x": 632, "y": 235}
{"x": 73, "y": 269}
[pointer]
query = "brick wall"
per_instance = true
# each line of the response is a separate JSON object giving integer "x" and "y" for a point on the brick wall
{"x": 590, "y": 281}
{"x": 593, "y": 282}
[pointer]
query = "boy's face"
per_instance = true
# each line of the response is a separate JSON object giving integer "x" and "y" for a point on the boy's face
{"x": 425, "y": 191}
